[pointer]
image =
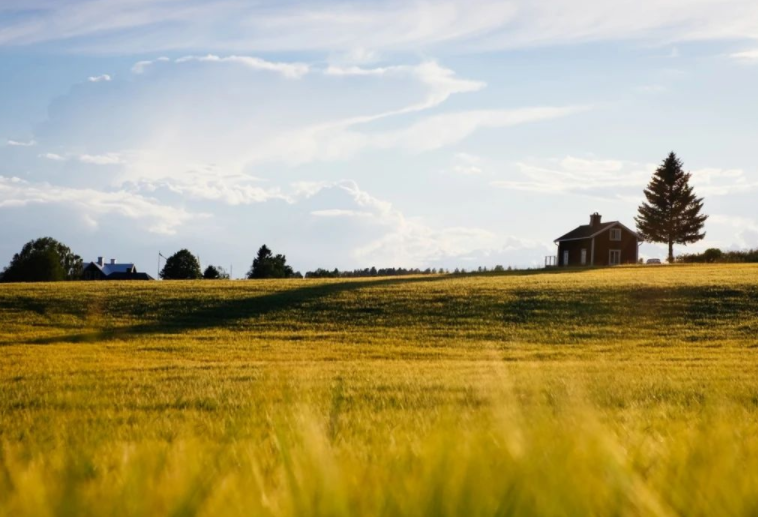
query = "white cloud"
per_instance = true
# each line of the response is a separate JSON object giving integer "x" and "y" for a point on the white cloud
{"x": 99, "y": 78}
{"x": 467, "y": 170}
{"x": 90, "y": 203}
{"x": 722, "y": 182}
{"x": 101, "y": 159}
{"x": 392, "y": 239}
{"x": 18, "y": 143}
{"x": 53, "y": 156}
{"x": 467, "y": 165}
{"x": 588, "y": 176}
{"x": 91, "y": 159}
{"x": 141, "y": 66}
{"x": 747, "y": 56}
{"x": 577, "y": 175}
{"x": 290, "y": 70}
{"x": 747, "y": 230}
{"x": 450, "y": 128}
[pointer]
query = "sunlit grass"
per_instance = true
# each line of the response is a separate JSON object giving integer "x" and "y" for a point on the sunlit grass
{"x": 631, "y": 391}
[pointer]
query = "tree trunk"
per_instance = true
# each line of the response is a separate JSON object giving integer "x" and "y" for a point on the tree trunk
{"x": 671, "y": 252}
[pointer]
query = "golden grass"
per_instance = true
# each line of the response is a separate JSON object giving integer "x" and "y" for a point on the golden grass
{"x": 627, "y": 391}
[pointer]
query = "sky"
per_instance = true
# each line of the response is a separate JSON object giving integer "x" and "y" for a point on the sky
{"x": 450, "y": 133}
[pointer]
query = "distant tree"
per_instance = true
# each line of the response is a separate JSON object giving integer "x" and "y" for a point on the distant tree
{"x": 182, "y": 265}
{"x": 43, "y": 260}
{"x": 712, "y": 255}
{"x": 215, "y": 273}
{"x": 499, "y": 269}
{"x": 268, "y": 265}
{"x": 671, "y": 213}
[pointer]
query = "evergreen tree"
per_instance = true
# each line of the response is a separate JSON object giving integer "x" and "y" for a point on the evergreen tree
{"x": 671, "y": 213}
{"x": 43, "y": 260}
{"x": 215, "y": 273}
{"x": 182, "y": 265}
{"x": 268, "y": 265}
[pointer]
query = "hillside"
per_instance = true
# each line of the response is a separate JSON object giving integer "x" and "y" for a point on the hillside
{"x": 614, "y": 391}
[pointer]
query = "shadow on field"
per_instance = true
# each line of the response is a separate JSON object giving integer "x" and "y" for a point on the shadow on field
{"x": 226, "y": 312}
{"x": 520, "y": 311}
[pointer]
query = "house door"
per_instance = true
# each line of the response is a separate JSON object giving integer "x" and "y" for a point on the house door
{"x": 615, "y": 258}
{"x": 584, "y": 256}
{"x": 565, "y": 257}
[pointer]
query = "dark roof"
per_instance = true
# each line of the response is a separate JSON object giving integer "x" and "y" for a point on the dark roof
{"x": 128, "y": 276}
{"x": 586, "y": 231}
{"x": 108, "y": 268}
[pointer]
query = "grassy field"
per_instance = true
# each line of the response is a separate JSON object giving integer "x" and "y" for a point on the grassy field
{"x": 627, "y": 391}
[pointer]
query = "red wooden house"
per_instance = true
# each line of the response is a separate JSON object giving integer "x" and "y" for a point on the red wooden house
{"x": 598, "y": 244}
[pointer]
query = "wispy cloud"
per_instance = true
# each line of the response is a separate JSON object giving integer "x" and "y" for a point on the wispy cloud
{"x": 100, "y": 78}
{"x": 746, "y": 56}
{"x": 446, "y": 129}
{"x": 588, "y": 176}
{"x": 141, "y": 66}
{"x": 92, "y": 159}
{"x": 291, "y": 70}
{"x": 19, "y": 143}
{"x": 90, "y": 203}
{"x": 391, "y": 25}
{"x": 53, "y": 156}
{"x": 577, "y": 175}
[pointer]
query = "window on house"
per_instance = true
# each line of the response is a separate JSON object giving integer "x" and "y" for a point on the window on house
{"x": 615, "y": 258}
{"x": 616, "y": 234}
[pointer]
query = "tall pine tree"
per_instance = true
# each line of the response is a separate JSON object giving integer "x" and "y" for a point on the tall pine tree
{"x": 671, "y": 213}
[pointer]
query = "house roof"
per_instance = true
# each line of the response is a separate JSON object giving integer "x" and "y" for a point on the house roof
{"x": 108, "y": 268}
{"x": 587, "y": 232}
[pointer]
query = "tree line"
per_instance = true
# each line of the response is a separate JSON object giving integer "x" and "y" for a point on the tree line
{"x": 717, "y": 256}
{"x": 47, "y": 260}
{"x": 183, "y": 265}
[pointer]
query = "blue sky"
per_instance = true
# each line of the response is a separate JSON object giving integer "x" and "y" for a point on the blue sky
{"x": 373, "y": 133}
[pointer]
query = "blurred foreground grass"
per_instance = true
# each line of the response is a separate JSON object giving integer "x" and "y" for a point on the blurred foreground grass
{"x": 628, "y": 391}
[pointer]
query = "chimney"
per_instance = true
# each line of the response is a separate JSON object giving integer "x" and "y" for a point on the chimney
{"x": 113, "y": 261}
{"x": 595, "y": 220}
{"x": 100, "y": 261}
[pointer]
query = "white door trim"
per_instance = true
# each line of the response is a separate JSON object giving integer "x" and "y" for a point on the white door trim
{"x": 610, "y": 257}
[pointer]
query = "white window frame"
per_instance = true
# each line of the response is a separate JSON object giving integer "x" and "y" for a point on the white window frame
{"x": 584, "y": 256}
{"x": 610, "y": 257}
{"x": 566, "y": 257}
{"x": 615, "y": 234}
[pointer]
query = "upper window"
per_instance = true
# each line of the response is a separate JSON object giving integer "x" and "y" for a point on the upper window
{"x": 616, "y": 234}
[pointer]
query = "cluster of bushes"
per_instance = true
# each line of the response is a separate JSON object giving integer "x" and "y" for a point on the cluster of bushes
{"x": 715, "y": 255}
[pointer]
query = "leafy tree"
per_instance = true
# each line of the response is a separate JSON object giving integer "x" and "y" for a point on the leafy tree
{"x": 268, "y": 265}
{"x": 182, "y": 265}
{"x": 215, "y": 273}
{"x": 43, "y": 260}
{"x": 671, "y": 213}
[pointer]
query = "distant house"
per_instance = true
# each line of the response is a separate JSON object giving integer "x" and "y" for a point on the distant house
{"x": 598, "y": 244}
{"x": 112, "y": 271}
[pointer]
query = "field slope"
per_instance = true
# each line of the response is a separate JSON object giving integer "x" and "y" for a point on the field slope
{"x": 626, "y": 391}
